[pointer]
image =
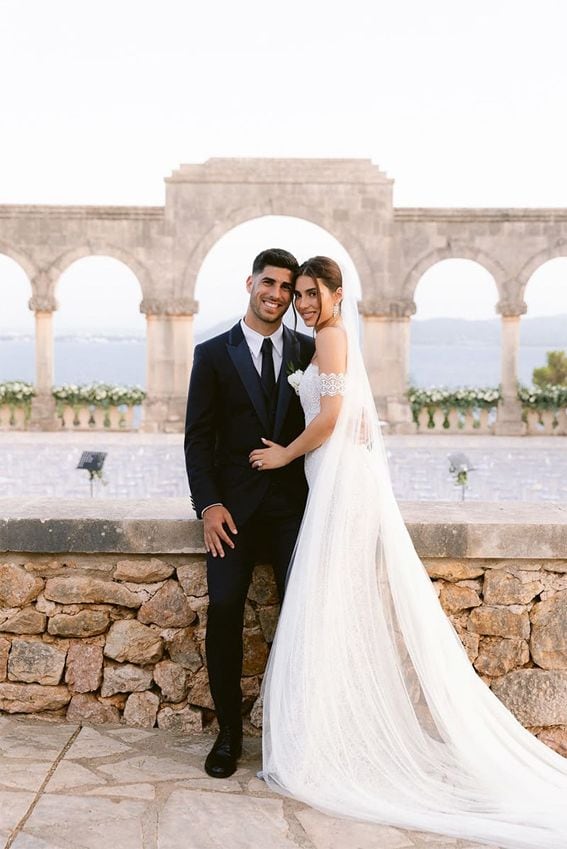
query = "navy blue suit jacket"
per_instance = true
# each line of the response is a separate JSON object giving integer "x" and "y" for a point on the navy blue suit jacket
{"x": 226, "y": 418}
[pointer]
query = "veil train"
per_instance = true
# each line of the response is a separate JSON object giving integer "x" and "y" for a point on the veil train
{"x": 372, "y": 708}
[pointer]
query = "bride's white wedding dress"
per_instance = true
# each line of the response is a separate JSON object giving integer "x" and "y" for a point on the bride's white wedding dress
{"x": 372, "y": 709}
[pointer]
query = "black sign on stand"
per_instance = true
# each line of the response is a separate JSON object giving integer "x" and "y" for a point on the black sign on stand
{"x": 92, "y": 462}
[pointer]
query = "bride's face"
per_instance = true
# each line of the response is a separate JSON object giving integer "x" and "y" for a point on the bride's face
{"x": 313, "y": 301}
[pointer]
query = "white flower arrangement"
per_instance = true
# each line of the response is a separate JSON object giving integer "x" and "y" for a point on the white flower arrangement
{"x": 461, "y": 399}
{"x": 16, "y": 393}
{"x": 550, "y": 397}
{"x": 294, "y": 379}
{"x": 98, "y": 395}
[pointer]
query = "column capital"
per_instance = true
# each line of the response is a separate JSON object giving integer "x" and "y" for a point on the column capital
{"x": 44, "y": 302}
{"x": 511, "y": 307}
{"x": 386, "y": 307}
{"x": 169, "y": 306}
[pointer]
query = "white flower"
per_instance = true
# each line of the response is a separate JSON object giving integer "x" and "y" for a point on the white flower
{"x": 294, "y": 380}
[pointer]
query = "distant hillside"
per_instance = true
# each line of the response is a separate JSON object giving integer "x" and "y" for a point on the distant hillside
{"x": 215, "y": 329}
{"x": 547, "y": 331}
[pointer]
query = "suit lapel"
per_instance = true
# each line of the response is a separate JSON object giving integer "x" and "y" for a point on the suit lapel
{"x": 239, "y": 353}
{"x": 290, "y": 358}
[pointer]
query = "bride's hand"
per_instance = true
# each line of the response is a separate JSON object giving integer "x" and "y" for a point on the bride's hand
{"x": 273, "y": 457}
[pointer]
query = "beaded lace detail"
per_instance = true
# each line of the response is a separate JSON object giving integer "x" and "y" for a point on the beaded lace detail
{"x": 312, "y": 386}
{"x": 332, "y": 384}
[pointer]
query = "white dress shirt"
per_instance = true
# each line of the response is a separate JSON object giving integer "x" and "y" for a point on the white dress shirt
{"x": 254, "y": 341}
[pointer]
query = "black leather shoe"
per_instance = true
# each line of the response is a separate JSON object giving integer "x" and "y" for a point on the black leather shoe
{"x": 222, "y": 759}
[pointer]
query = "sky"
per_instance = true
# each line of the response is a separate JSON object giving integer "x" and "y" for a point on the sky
{"x": 460, "y": 101}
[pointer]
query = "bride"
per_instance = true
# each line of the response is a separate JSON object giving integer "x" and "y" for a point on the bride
{"x": 371, "y": 707}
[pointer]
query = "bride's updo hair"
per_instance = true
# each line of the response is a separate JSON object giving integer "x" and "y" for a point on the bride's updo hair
{"x": 322, "y": 269}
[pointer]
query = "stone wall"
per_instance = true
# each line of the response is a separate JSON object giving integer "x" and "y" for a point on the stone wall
{"x": 104, "y": 640}
{"x": 511, "y": 616}
{"x": 112, "y": 628}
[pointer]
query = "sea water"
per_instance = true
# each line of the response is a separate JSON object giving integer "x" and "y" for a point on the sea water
{"x": 123, "y": 361}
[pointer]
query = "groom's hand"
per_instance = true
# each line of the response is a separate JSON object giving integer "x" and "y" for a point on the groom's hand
{"x": 214, "y": 520}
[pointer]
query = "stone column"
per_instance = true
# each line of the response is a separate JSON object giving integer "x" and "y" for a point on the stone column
{"x": 509, "y": 422}
{"x": 386, "y": 355}
{"x": 43, "y": 405}
{"x": 169, "y": 359}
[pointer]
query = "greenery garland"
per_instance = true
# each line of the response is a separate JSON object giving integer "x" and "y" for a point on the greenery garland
{"x": 461, "y": 399}
{"x": 16, "y": 393}
{"x": 540, "y": 398}
{"x": 550, "y": 397}
{"x": 97, "y": 395}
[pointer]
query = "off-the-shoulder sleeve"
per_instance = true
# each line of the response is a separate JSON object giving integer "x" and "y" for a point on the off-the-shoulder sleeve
{"x": 332, "y": 384}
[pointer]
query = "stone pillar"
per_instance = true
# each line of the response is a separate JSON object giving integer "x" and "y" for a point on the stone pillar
{"x": 182, "y": 336}
{"x": 386, "y": 355}
{"x": 43, "y": 404}
{"x": 509, "y": 421}
{"x": 169, "y": 359}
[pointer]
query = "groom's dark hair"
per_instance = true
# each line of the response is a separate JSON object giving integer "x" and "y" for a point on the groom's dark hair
{"x": 276, "y": 257}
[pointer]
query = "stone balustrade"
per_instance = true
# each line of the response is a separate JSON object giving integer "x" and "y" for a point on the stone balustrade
{"x": 75, "y": 417}
{"x": 103, "y": 609}
{"x": 14, "y": 417}
{"x": 546, "y": 422}
{"x": 435, "y": 420}
{"x": 91, "y": 417}
{"x": 439, "y": 419}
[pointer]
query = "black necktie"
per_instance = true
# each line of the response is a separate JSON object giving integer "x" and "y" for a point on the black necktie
{"x": 268, "y": 375}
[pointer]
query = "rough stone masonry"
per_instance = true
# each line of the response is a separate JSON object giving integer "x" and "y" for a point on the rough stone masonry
{"x": 108, "y": 637}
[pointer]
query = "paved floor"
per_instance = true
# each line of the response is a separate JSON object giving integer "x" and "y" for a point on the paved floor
{"x": 142, "y": 465}
{"x": 67, "y": 787}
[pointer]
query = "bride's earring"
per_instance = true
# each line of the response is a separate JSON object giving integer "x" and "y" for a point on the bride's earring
{"x": 336, "y": 310}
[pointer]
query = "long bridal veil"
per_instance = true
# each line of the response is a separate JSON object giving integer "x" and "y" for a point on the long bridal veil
{"x": 372, "y": 709}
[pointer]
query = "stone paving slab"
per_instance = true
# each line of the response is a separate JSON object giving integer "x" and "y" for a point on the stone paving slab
{"x": 88, "y": 788}
{"x": 13, "y": 806}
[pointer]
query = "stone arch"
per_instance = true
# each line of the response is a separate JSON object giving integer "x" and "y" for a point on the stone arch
{"x": 536, "y": 261}
{"x": 455, "y": 250}
{"x": 64, "y": 260}
{"x": 25, "y": 262}
{"x": 286, "y": 208}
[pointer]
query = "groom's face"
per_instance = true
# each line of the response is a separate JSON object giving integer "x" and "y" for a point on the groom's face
{"x": 271, "y": 291}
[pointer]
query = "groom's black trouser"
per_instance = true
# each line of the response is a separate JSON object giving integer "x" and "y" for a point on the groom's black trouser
{"x": 271, "y": 532}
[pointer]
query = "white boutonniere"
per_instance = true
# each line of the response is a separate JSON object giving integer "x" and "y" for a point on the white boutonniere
{"x": 294, "y": 379}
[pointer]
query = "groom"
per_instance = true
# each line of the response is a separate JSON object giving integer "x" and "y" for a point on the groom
{"x": 238, "y": 394}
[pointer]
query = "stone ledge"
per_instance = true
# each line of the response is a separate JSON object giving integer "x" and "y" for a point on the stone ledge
{"x": 276, "y": 170}
{"x": 153, "y": 526}
{"x": 132, "y": 213}
{"x": 479, "y": 214}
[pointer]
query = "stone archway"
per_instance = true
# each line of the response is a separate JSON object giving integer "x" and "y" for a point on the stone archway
{"x": 66, "y": 259}
{"x": 454, "y": 251}
{"x": 25, "y": 261}
{"x": 220, "y": 288}
{"x": 240, "y": 216}
{"x": 535, "y": 262}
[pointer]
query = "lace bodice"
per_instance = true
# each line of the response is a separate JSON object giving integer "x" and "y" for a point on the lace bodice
{"x": 309, "y": 393}
{"x": 313, "y": 385}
